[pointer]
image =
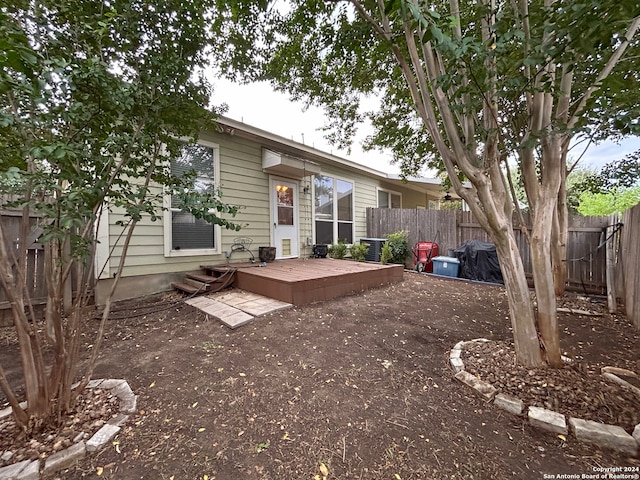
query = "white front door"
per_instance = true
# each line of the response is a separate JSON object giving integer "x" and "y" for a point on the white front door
{"x": 284, "y": 215}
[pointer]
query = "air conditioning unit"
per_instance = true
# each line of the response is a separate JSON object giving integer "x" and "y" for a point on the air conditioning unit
{"x": 375, "y": 248}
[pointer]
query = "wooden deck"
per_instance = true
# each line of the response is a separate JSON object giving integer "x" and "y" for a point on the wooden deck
{"x": 306, "y": 280}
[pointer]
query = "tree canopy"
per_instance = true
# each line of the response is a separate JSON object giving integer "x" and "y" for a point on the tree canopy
{"x": 327, "y": 54}
{"x": 95, "y": 97}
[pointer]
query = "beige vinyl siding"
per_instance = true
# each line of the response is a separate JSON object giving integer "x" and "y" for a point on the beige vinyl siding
{"x": 305, "y": 216}
{"x": 413, "y": 199}
{"x": 242, "y": 183}
{"x": 410, "y": 198}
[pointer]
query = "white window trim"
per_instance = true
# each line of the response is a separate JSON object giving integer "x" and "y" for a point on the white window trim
{"x": 378, "y": 189}
{"x": 335, "y": 207}
{"x": 166, "y": 219}
{"x": 102, "y": 259}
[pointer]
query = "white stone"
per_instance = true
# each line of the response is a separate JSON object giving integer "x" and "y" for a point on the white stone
{"x": 548, "y": 420}
{"x": 509, "y": 403}
{"x": 607, "y": 436}
{"x": 129, "y": 403}
{"x": 95, "y": 383}
{"x": 483, "y": 389}
{"x": 122, "y": 390}
{"x": 118, "y": 420}
{"x": 111, "y": 383}
{"x": 30, "y": 472}
{"x": 6, "y": 456}
{"x": 455, "y": 353}
{"x": 10, "y": 472}
{"x": 7, "y": 412}
{"x": 101, "y": 437}
{"x": 459, "y": 345}
{"x": 636, "y": 433}
{"x": 65, "y": 458}
{"x": 457, "y": 364}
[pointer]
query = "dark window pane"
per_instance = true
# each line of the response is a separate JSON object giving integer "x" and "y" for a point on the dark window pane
{"x": 345, "y": 232}
{"x": 285, "y": 216}
{"x": 395, "y": 200}
{"x": 324, "y": 232}
{"x": 189, "y": 232}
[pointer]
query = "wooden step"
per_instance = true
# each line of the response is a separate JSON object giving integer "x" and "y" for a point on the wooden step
{"x": 201, "y": 286}
{"x": 203, "y": 278}
{"x": 219, "y": 269}
{"x": 184, "y": 287}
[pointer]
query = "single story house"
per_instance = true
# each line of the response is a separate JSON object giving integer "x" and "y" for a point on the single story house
{"x": 291, "y": 195}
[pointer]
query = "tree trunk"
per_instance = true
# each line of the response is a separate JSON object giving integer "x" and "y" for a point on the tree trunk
{"x": 497, "y": 222}
{"x": 540, "y": 249}
{"x": 28, "y": 345}
{"x": 559, "y": 239}
{"x": 523, "y": 323}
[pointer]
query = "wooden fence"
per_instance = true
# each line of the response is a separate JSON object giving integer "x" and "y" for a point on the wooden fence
{"x": 628, "y": 271}
{"x": 450, "y": 229}
{"x": 35, "y": 281}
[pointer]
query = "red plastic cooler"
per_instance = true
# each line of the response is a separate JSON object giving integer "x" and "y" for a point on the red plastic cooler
{"x": 423, "y": 253}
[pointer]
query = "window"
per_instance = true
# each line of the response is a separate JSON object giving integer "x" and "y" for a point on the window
{"x": 389, "y": 199}
{"x": 185, "y": 234}
{"x": 333, "y": 210}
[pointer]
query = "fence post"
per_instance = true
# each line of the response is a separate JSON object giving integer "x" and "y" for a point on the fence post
{"x": 611, "y": 263}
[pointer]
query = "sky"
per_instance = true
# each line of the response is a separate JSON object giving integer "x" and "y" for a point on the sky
{"x": 258, "y": 105}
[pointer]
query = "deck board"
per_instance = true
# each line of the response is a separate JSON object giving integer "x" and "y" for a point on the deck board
{"x": 308, "y": 280}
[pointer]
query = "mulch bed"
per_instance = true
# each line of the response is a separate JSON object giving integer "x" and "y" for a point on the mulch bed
{"x": 575, "y": 390}
{"x": 93, "y": 408}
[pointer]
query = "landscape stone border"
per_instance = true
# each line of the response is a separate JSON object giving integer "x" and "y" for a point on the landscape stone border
{"x": 32, "y": 469}
{"x": 601, "y": 434}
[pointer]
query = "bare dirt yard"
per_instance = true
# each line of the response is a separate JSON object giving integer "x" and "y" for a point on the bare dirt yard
{"x": 354, "y": 388}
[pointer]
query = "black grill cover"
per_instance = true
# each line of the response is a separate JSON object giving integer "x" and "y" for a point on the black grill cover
{"x": 479, "y": 261}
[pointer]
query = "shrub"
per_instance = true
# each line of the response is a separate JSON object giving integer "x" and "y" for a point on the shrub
{"x": 337, "y": 250}
{"x": 358, "y": 251}
{"x": 399, "y": 245}
{"x": 385, "y": 253}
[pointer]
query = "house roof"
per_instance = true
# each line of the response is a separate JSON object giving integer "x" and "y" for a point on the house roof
{"x": 296, "y": 149}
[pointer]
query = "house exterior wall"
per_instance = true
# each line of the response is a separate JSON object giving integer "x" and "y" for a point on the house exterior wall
{"x": 242, "y": 181}
{"x": 410, "y": 198}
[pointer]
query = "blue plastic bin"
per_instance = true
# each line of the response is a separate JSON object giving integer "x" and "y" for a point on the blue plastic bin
{"x": 446, "y": 266}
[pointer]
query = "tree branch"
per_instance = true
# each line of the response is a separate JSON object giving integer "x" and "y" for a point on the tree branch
{"x": 609, "y": 66}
